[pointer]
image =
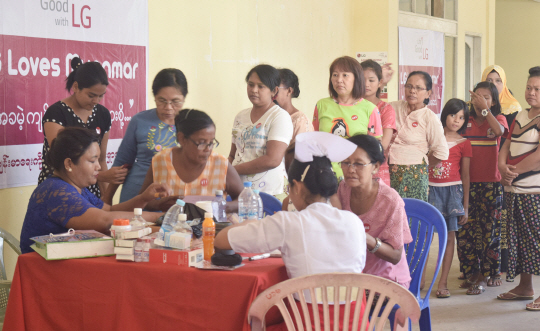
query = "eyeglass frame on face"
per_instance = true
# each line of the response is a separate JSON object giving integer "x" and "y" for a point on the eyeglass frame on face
{"x": 176, "y": 104}
{"x": 417, "y": 89}
{"x": 354, "y": 165}
{"x": 214, "y": 143}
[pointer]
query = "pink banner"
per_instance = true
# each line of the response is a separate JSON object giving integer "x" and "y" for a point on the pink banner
{"x": 33, "y": 73}
{"x": 436, "y": 73}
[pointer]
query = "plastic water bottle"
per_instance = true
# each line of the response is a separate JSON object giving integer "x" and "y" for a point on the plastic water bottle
{"x": 260, "y": 212}
{"x": 139, "y": 250}
{"x": 218, "y": 207}
{"x": 170, "y": 219}
{"x": 181, "y": 225}
{"x": 248, "y": 208}
{"x": 209, "y": 232}
{"x": 137, "y": 222}
{"x": 146, "y": 250}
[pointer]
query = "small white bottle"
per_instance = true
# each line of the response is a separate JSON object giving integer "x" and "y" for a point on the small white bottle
{"x": 146, "y": 250}
{"x": 139, "y": 250}
{"x": 137, "y": 222}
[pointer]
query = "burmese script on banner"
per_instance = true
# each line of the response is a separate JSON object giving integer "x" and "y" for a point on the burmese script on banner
{"x": 38, "y": 39}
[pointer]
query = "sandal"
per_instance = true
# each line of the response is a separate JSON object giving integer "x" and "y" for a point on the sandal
{"x": 514, "y": 296}
{"x": 533, "y": 306}
{"x": 443, "y": 293}
{"x": 466, "y": 284}
{"x": 474, "y": 288}
{"x": 495, "y": 281}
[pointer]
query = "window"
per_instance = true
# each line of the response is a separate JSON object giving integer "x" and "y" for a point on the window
{"x": 437, "y": 8}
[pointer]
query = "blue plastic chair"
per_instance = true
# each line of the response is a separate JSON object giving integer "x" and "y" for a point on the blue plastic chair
{"x": 271, "y": 204}
{"x": 424, "y": 220}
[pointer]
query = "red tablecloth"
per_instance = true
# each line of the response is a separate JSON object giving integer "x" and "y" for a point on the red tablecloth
{"x": 103, "y": 294}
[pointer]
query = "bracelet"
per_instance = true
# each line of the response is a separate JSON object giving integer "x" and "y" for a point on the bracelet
{"x": 377, "y": 245}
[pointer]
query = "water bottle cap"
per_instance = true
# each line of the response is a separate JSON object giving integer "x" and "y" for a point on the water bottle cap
{"x": 208, "y": 215}
{"x": 248, "y": 184}
{"x": 219, "y": 192}
{"x": 256, "y": 191}
{"x": 121, "y": 222}
{"x": 182, "y": 217}
{"x": 180, "y": 202}
{"x": 137, "y": 211}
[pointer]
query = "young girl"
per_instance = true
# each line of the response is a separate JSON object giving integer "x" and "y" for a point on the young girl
{"x": 479, "y": 239}
{"x": 318, "y": 238}
{"x": 449, "y": 181}
{"x": 373, "y": 75}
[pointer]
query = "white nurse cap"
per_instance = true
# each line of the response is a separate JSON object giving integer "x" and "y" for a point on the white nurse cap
{"x": 310, "y": 144}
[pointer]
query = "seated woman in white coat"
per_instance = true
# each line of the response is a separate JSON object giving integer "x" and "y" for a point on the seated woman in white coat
{"x": 318, "y": 238}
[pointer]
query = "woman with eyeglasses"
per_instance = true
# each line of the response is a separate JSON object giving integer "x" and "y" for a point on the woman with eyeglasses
{"x": 194, "y": 167}
{"x": 420, "y": 141}
{"x": 380, "y": 208}
{"x": 262, "y": 133}
{"x": 149, "y": 132}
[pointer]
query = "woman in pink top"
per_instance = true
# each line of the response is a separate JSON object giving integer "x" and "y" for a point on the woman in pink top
{"x": 289, "y": 89}
{"x": 373, "y": 74}
{"x": 380, "y": 208}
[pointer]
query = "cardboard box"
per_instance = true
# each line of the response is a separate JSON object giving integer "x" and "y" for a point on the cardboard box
{"x": 182, "y": 257}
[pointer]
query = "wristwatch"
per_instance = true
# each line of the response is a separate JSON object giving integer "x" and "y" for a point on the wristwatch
{"x": 485, "y": 112}
{"x": 377, "y": 245}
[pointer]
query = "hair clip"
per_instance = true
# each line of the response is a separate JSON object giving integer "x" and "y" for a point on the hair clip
{"x": 305, "y": 173}
{"x": 187, "y": 114}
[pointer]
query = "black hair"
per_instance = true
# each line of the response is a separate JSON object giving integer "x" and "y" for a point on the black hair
{"x": 427, "y": 80}
{"x": 453, "y": 106}
{"x": 170, "y": 77}
{"x": 348, "y": 64}
{"x": 496, "y": 108}
{"x": 86, "y": 74}
{"x": 534, "y": 72}
{"x": 320, "y": 179}
{"x": 189, "y": 121}
{"x": 289, "y": 79}
{"x": 372, "y": 65}
{"x": 70, "y": 143}
{"x": 370, "y": 145}
{"x": 268, "y": 75}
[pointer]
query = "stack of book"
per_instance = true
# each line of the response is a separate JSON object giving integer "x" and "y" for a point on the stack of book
{"x": 124, "y": 244}
{"x": 74, "y": 244}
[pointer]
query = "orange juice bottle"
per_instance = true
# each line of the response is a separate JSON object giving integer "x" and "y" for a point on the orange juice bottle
{"x": 209, "y": 232}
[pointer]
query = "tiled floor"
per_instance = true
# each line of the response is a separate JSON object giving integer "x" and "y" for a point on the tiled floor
{"x": 478, "y": 312}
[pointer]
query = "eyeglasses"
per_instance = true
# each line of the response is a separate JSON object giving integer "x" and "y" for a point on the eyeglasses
{"x": 203, "y": 146}
{"x": 416, "y": 88}
{"x": 164, "y": 103}
{"x": 355, "y": 165}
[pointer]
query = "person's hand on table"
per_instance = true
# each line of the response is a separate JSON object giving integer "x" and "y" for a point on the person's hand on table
{"x": 156, "y": 191}
{"x": 164, "y": 204}
{"x": 231, "y": 207}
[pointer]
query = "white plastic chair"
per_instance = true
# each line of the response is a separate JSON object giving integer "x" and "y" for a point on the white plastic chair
{"x": 5, "y": 284}
{"x": 395, "y": 293}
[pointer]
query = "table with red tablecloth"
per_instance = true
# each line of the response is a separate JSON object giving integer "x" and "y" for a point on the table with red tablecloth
{"x": 105, "y": 294}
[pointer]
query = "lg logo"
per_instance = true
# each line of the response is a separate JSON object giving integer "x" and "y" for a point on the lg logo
{"x": 82, "y": 18}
